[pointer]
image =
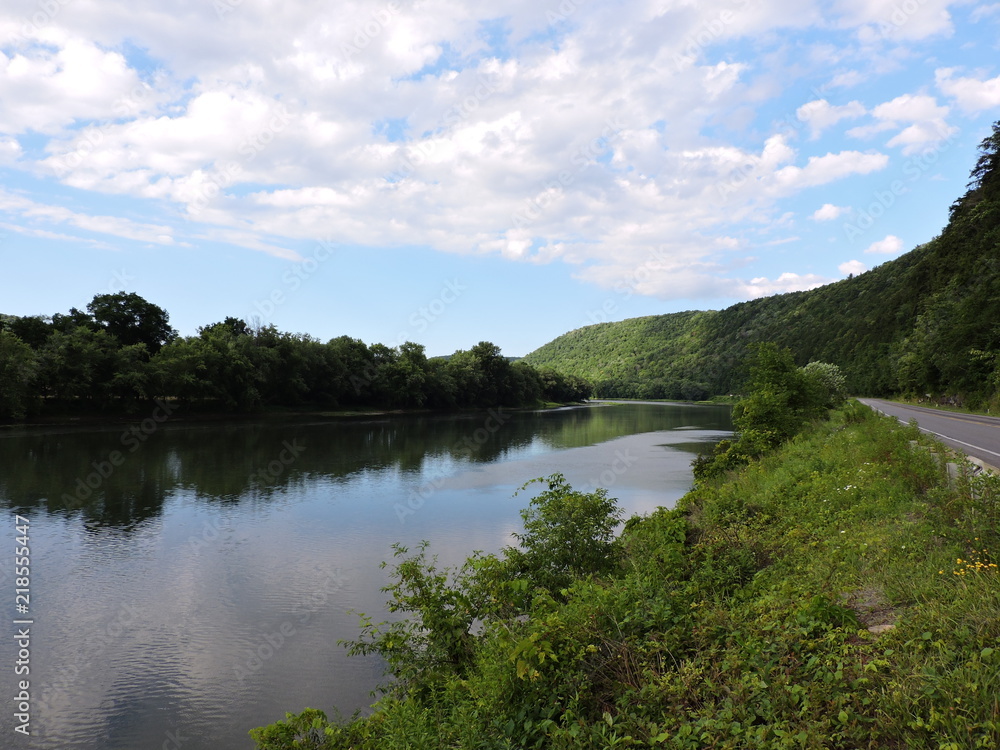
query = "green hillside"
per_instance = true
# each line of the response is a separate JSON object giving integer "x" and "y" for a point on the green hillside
{"x": 927, "y": 322}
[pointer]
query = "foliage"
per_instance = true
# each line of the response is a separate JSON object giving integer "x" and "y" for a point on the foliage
{"x": 781, "y": 399}
{"x": 78, "y": 364}
{"x": 567, "y": 535}
{"x": 435, "y": 643}
{"x": 123, "y": 353}
{"x": 132, "y": 320}
{"x": 814, "y": 600}
{"x": 829, "y": 380}
{"x": 18, "y": 366}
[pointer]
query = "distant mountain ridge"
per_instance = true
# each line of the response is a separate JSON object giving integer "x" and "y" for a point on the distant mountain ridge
{"x": 926, "y": 322}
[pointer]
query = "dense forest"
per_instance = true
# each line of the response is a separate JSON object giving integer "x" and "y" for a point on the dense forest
{"x": 925, "y": 323}
{"x": 121, "y": 353}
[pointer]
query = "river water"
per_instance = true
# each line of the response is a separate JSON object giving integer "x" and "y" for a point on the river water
{"x": 190, "y": 581}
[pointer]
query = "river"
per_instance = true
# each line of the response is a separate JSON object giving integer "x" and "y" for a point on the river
{"x": 190, "y": 581}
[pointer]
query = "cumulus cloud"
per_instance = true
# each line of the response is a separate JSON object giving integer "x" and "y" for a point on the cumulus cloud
{"x": 927, "y": 125}
{"x": 45, "y": 90}
{"x": 594, "y": 137}
{"x": 891, "y": 20}
{"x": 10, "y": 150}
{"x": 852, "y": 267}
{"x": 890, "y": 245}
{"x": 820, "y": 170}
{"x": 828, "y": 212}
{"x": 970, "y": 94}
{"x": 786, "y": 282}
{"x": 820, "y": 114}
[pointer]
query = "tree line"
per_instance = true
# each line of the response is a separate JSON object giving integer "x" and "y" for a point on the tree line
{"x": 121, "y": 353}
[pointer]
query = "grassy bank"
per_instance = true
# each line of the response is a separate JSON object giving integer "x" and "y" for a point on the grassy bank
{"x": 988, "y": 408}
{"x": 839, "y": 593}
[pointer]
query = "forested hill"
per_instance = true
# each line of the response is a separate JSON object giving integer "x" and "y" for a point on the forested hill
{"x": 927, "y": 322}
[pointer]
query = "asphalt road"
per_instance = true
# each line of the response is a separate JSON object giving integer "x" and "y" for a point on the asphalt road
{"x": 973, "y": 434}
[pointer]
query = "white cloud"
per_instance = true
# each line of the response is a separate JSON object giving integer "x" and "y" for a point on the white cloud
{"x": 890, "y": 245}
{"x": 47, "y": 235}
{"x": 847, "y": 79}
{"x": 828, "y": 212}
{"x": 982, "y": 12}
{"x": 590, "y": 141}
{"x": 46, "y": 90}
{"x": 890, "y": 20}
{"x": 820, "y": 170}
{"x": 10, "y": 150}
{"x": 786, "y": 282}
{"x": 820, "y": 114}
{"x": 110, "y": 225}
{"x": 910, "y": 107}
{"x": 927, "y": 127}
{"x": 971, "y": 94}
{"x": 852, "y": 267}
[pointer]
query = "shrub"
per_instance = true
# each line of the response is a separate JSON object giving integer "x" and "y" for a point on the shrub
{"x": 567, "y": 535}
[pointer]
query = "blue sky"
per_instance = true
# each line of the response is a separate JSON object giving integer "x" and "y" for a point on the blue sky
{"x": 453, "y": 173}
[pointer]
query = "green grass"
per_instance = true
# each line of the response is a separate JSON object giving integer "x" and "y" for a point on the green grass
{"x": 989, "y": 410}
{"x": 839, "y": 593}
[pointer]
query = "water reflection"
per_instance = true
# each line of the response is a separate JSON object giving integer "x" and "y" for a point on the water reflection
{"x": 201, "y": 586}
{"x": 115, "y": 481}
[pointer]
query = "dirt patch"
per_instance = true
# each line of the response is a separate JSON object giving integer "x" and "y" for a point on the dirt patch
{"x": 874, "y": 612}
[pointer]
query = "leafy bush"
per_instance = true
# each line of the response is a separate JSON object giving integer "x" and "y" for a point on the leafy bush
{"x": 781, "y": 399}
{"x": 567, "y": 535}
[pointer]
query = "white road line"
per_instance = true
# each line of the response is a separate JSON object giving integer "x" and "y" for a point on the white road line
{"x": 956, "y": 440}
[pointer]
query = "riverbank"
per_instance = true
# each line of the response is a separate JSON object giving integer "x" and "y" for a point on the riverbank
{"x": 178, "y": 413}
{"x": 725, "y": 400}
{"x": 840, "y": 593}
